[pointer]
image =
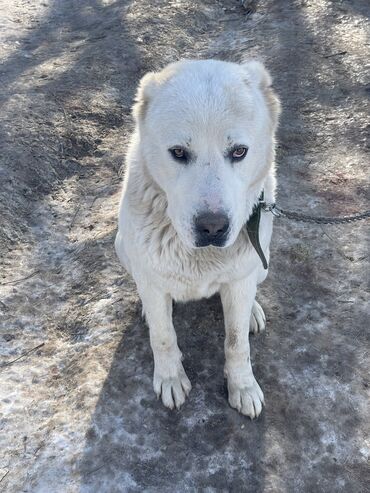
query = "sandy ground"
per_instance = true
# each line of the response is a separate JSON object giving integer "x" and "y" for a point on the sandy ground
{"x": 78, "y": 413}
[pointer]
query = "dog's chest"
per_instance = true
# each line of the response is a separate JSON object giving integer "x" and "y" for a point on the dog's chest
{"x": 196, "y": 291}
{"x": 200, "y": 276}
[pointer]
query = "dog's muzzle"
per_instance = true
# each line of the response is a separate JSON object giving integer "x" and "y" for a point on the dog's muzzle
{"x": 211, "y": 229}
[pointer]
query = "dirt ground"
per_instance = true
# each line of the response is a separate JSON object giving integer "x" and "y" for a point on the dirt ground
{"x": 78, "y": 414}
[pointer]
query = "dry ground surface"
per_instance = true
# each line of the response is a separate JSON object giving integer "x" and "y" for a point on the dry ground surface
{"x": 79, "y": 413}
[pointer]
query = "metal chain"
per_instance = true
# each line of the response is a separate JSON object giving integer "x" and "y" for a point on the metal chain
{"x": 296, "y": 216}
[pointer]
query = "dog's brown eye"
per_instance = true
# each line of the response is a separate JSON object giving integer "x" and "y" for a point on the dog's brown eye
{"x": 179, "y": 153}
{"x": 239, "y": 152}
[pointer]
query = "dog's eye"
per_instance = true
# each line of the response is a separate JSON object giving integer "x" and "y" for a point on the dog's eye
{"x": 179, "y": 153}
{"x": 239, "y": 153}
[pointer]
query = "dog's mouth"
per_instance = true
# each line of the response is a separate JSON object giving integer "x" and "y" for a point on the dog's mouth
{"x": 216, "y": 242}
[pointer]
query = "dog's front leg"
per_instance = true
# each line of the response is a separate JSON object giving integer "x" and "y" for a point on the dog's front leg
{"x": 244, "y": 392}
{"x": 170, "y": 380}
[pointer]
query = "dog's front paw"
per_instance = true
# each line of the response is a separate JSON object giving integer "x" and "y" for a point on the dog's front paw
{"x": 247, "y": 399}
{"x": 172, "y": 385}
{"x": 258, "y": 319}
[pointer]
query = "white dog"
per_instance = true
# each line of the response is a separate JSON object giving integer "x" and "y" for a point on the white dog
{"x": 201, "y": 155}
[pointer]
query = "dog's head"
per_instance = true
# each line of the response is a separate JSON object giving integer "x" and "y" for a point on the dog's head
{"x": 206, "y": 133}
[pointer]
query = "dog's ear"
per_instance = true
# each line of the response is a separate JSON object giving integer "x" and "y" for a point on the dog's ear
{"x": 148, "y": 87}
{"x": 257, "y": 75}
{"x": 144, "y": 94}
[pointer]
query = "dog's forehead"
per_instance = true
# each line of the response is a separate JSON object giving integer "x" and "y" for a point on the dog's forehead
{"x": 198, "y": 135}
{"x": 197, "y": 102}
{"x": 206, "y": 94}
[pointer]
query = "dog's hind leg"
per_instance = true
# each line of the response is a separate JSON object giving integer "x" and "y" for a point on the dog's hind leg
{"x": 258, "y": 319}
{"x": 170, "y": 381}
{"x": 237, "y": 300}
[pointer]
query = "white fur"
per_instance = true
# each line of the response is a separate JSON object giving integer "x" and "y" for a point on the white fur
{"x": 205, "y": 106}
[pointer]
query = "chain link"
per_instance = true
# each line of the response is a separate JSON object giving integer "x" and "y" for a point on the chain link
{"x": 297, "y": 216}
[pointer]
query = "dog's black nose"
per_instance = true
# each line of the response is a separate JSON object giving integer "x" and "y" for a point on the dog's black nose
{"x": 211, "y": 229}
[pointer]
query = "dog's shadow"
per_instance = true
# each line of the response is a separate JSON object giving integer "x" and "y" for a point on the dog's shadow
{"x": 135, "y": 444}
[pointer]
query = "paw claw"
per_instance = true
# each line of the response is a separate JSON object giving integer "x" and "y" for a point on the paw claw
{"x": 173, "y": 389}
{"x": 248, "y": 399}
